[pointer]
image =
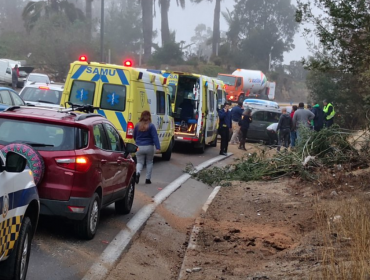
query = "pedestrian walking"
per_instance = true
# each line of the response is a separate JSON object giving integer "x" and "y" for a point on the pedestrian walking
{"x": 293, "y": 132}
{"x": 244, "y": 122}
{"x": 15, "y": 75}
{"x": 329, "y": 113}
{"x": 224, "y": 127}
{"x": 318, "y": 120}
{"x": 283, "y": 128}
{"x": 146, "y": 138}
{"x": 302, "y": 118}
{"x": 236, "y": 115}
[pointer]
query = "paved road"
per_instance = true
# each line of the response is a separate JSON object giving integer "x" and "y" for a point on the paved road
{"x": 58, "y": 254}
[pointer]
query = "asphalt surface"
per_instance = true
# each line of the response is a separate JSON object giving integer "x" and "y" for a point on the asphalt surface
{"x": 58, "y": 254}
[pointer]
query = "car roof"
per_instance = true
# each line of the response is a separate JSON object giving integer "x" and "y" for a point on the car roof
{"x": 51, "y": 86}
{"x": 6, "y": 88}
{"x": 39, "y": 114}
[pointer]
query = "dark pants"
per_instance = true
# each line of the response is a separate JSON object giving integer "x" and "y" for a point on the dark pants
{"x": 284, "y": 136}
{"x": 329, "y": 123}
{"x": 242, "y": 137}
{"x": 224, "y": 132}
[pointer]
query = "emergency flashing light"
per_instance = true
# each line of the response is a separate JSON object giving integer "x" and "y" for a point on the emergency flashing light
{"x": 83, "y": 58}
{"x": 128, "y": 63}
{"x": 164, "y": 81}
{"x": 44, "y": 87}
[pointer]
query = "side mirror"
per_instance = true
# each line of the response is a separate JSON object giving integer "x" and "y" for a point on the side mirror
{"x": 130, "y": 149}
{"x": 15, "y": 162}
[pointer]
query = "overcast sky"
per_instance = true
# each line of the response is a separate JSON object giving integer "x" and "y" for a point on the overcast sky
{"x": 195, "y": 14}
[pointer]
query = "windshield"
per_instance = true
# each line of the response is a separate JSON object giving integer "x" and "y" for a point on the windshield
{"x": 38, "y": 79}
{"x": 230, "y": 81}
{"x": 46, "y": 137}
{"x": 41, "y": 95}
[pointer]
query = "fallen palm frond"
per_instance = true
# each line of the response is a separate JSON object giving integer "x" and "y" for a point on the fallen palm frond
{"x": 315, "y": 150}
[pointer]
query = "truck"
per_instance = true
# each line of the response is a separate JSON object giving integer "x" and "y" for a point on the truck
{"x": 6, "y": 66}
{"x": 243, "y": 83}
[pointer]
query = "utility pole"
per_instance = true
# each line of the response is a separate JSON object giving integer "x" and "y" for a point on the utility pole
{"x": 102, "y": 33}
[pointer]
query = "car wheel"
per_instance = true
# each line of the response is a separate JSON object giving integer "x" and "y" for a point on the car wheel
{"x": 214, "y": 142}
{"x": 124, "y": 205}
{"x": 15, "y": 267}
{"x": 167, "y": 154}
{"x": 87, "y": 227}
{"x": 202, "y": 147}
{"x": 34, "y": 159}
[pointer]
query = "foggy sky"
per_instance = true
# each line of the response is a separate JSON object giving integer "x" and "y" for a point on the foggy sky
{"x": 195, "y": 14}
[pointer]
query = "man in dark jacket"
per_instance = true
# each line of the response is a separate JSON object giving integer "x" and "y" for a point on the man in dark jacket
{"x": 224, "y": 127}
{"x": 15, "y": 76}
{"x": 236, "y": 115}
{"x": 284, "y": 127}
{"x": 318, "y": 120}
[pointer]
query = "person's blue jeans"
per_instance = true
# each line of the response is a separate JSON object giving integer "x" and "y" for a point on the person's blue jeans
{"x": 293, "y": 137}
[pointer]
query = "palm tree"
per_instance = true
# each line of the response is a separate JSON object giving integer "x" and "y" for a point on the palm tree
{"x": 216, "y": 25}
{"x": 165, "y": 29}
{"x": 147, "y": 14}
{"x": 34, "y": 10}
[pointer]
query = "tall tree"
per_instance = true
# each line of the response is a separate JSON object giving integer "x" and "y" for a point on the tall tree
{"x": 88, "y": 14}
{"x": 216, "y": 25}
{"x": 147, "y": 16}
{"x": 165, "y": 28}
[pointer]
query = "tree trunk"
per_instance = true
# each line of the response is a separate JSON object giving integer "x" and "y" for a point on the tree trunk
{"x": 147, "y": 13}
{"x": 165, "y": 29}
{"x": 88, "y": 12}
{"x": 216, "y": 28}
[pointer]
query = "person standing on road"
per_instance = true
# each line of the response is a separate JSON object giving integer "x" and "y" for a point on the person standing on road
{"x": 284, "y": 127}
{"x": 15, "y": 75}
{"x": 302, "y": 118}
{"x": 244, "y": 122}
{"x": 293, "y": 132}
{"x": 236, "y": 115}
{"x": 224, "y": 127}
{"x": 318, "y": 120}
{"x": 329, "y": 113}
{"x": 146, "y": 137}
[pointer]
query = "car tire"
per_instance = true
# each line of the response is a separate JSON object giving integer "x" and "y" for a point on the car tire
{"x": 124, "y": 205}
{"x": 213, "y": 143}
{"x": 167, "y": 154}
{"x": 15, "y": 267}
{"x": 202, "y": 147}
{"x": 86, "y": 228}
{"x": 34, "y": 159}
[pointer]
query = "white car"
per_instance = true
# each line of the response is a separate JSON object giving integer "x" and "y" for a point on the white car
{"x": 34, "y": 78}
{"x": 42, "y": 95}
{"x": 19, "y": 210}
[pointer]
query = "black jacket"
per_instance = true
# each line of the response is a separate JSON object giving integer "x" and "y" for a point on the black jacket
{"x": 244, "y": 122}
{"x": 318, "y": 120}
{"x": 285, "y": 122}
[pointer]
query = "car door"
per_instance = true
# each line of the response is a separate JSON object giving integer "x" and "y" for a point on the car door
{"x": 257, "y": 129}
{"x": 103, "y": 157}
{"x": 118, "y": 162}
{"x": 6, "y": 195}
{"x": 5, "y": 97}
{"x": 211, "y": 113}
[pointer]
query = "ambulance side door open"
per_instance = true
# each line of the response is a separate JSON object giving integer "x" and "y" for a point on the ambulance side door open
{"x": 198, "y": 97}
{"x": 211, "y": 112}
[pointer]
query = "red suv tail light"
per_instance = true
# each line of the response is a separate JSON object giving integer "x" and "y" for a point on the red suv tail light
{"x": 130, "y": 130}
{"x": 81, "y": 164}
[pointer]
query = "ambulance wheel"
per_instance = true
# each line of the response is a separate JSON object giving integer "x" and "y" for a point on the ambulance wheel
{"x": 15, "y": 267}
{"x": 241, "y": 98}
{"x": 34, "y": 159}
{"x": 202, "y": 148}
{"x": 86, "y": 228}
{"x": 213, "y": 143}
{"x": 167, "y": 154}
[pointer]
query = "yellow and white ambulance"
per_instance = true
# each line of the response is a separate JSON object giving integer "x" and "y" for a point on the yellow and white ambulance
{"x": 122, "y": 94}
{"x": 194, "y": 102}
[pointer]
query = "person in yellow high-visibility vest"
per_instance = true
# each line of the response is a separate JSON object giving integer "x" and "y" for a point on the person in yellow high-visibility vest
{"x": 329, "y": 113}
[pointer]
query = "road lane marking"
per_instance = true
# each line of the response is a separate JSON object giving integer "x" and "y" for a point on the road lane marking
{"x": 110, "y": 256}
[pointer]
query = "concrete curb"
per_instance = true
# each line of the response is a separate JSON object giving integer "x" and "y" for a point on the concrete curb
{"x": 195, "y": 231}
{"x": 110, "y": 256}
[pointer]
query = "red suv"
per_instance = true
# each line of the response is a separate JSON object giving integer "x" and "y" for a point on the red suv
{"x": 86, "y": 163}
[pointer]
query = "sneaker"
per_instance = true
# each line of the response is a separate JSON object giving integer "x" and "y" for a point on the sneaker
{"x": 137, "y": 178}
{"x": 223, "y": 154}
{"x": 147, "y": 181}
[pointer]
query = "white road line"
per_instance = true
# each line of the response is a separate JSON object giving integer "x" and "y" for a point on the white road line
{"x": 194, "y": 233}
{"x": 100, "y": 269}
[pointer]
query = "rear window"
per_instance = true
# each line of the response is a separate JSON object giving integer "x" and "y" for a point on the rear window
{"x": 44, "y": 137}
{"x": 82, "y": 92}
{"x": 41, "y": 95}
{"x": 38, "y": 79}
{"x": 113, "y": 97}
